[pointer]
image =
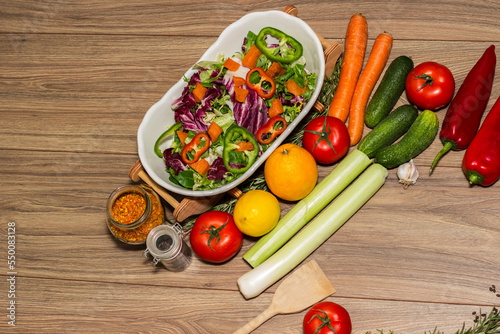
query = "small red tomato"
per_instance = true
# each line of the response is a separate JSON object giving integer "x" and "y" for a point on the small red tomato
{"x": 430, "y": 86}
{"x": 327, "y": 318}
{"x": 326, "y": 138}
{"x": 215, "y": 237}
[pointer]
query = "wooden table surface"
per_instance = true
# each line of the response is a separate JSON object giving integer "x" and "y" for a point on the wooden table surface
{"x": 77, "y": 78}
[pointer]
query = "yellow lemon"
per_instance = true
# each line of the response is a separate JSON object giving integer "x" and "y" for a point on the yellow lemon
{"x": 256, "y": 213}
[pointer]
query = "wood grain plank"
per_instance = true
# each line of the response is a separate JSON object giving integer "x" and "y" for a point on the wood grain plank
{"x": 98, "y": 95}
{"x": 402, "y": 245}
{"x": 77, "y": 79}
{"x": 424, "y": 20}
{"x": 61, "y": 306}
{"x": 118, "y": 81}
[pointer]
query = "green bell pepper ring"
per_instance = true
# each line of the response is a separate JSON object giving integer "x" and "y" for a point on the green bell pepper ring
{"x": 290, "y": 48}
{"x": 233, "y": 137}
{"x": 164, "y": 135}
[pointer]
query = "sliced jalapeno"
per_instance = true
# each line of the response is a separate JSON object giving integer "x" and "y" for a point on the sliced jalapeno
{"x": 164, "y": 135}
{"x": 233, "y": 137}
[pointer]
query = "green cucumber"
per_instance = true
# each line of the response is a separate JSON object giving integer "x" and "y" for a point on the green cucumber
{"x": 388, "y": 130}
{"x": 389, "y": 91}
{"x": 420, "y": 136}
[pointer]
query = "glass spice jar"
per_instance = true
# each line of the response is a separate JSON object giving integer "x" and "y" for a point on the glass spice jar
{"x": 165, "y": 244}
{"x": 132, "y": 212}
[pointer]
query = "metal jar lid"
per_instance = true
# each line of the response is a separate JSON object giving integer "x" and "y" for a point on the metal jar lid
{"x": 165, "y": 245}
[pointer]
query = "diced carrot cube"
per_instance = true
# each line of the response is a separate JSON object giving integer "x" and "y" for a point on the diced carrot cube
{"x": 231, "y": 65}
{"x": 199, "y": 92}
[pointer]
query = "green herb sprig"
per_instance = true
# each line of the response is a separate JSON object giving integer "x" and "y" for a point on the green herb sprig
{"x": 483, "y": 324}
{"x": 325, "y": 98}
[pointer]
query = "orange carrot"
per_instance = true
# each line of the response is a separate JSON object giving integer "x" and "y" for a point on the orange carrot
{"x": 182, "y": 136}
{"x": 354, "y": 54}
{"x": 214, "y": 131}
{"x": 274, "y": 69}
{"x": 239, "y": 81}
{"x": 244, "y": 146}
{"x": 199, "y": 92}
{"x": 276, "y": 108}
{"x": 231, "y": 65}
{"x": 240, "y": 94}
{"x": 366, "y": 82}
{"x": 250, "y": 59}
{"x": 293, "y": 87}
{"x": 201, "y": 166}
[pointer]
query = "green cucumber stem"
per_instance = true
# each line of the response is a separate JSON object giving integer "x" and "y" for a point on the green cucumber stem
{"x": 446, "y": 148}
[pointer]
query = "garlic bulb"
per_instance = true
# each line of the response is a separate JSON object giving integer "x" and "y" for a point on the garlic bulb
{"x": 408, "y": 174}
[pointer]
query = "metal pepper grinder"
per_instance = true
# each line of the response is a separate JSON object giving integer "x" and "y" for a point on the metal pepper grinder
{"x": 165, "y": 243}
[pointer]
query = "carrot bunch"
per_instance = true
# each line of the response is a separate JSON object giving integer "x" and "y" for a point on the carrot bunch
{"x": 364, "y": 87}
{"x": 355, "y": 86}
{"x": 354, "y": 54}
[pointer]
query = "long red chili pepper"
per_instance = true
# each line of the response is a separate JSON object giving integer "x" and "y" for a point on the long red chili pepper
{"x": 466, "y": 110}
{"x": 196, "y": 147}
{"x": 481, "y": 163}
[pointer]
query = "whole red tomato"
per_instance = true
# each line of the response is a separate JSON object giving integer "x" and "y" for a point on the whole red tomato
{"x": 327, "y": 318}
{"x": 326, "y": 138}
{"x": 430, "y": 86}
{"x": 215, "y": 237}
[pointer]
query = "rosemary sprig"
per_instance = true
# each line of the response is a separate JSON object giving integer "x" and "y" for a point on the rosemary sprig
{"x": 325, "y": 98}
{"x": 483, "y": 324}
{"x": 330, "y": 85}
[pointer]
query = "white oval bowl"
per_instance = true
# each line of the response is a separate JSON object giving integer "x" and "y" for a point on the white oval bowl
{"x": 160, "y": 116}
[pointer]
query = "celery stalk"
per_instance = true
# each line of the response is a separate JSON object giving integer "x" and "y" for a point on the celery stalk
{"x": 314, "y": 234}
{"x": 337, "y": 180}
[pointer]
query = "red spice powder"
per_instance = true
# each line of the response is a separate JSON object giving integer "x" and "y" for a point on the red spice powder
{"x": 128, "y": 207}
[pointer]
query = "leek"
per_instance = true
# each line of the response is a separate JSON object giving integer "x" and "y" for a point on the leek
{"x": 314, "y": 234}
{"x": 337, "y": 180}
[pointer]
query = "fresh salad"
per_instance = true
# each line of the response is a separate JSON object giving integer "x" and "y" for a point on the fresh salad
{"x": 233, "y": 109}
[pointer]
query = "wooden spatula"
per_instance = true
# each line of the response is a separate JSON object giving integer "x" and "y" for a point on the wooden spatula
{"x": 300, "y": 290}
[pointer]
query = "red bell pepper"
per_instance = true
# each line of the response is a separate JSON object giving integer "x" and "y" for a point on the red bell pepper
{"x": 260, "y": 82}
{"x": 272, "y": 129}
{"x": 464, "y": 114}
{"x": 481, "y": 163}
{"x": 195, "y": 148}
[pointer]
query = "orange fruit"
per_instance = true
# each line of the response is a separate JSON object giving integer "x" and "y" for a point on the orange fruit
{"x": 256, "y": 212}
{"x": 291, "y": 172}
